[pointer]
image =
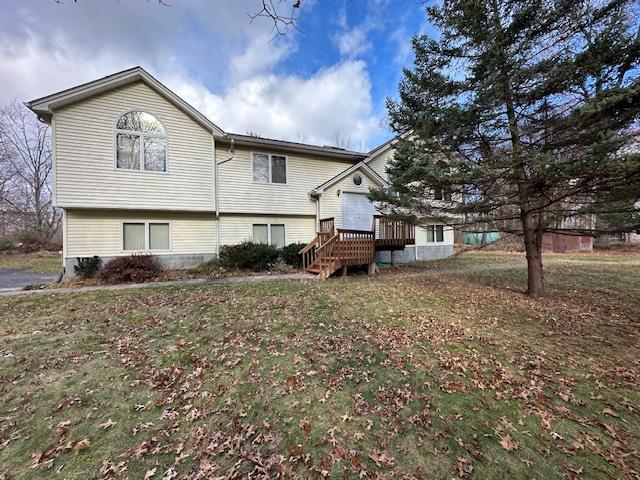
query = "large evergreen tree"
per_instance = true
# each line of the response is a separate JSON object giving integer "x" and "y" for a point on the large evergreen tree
{"x": 525, "y": 110}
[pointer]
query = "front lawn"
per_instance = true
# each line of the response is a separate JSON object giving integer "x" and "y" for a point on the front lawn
{"x": 437, "y": 372}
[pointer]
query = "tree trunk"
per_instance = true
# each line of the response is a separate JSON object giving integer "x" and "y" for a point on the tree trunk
{"x": 533, "y": 249}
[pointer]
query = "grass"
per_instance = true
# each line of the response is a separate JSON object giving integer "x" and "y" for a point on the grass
{"x": 442, "y": 370}
{"x": 38, "y": 262}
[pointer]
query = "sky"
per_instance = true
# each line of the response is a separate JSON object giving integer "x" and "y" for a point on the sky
{"x": 324, "y": 84}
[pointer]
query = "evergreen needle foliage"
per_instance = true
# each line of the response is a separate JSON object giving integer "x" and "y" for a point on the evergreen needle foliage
{"x": 527, "y": 112}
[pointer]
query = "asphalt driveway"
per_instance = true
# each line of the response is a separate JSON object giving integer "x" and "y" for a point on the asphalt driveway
{"x": 14, "y": 278}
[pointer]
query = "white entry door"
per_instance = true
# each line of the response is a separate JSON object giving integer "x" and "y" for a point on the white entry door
{"x": 357, "y": 211}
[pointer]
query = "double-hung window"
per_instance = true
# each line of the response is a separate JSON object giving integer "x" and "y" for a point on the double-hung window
{"x": 435, "y": 233}
{"x": 269, "y": 168}
{"x": 141, "y": 143}
{"x": 141, "y": 236}
{"x": 272, "y": 234}
{"x": 441, "y": 194}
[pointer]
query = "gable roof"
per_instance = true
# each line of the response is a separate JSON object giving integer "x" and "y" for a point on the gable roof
{"x": 381, "y": 148}
{"x": 357, "y": 166}
{"x": 45, "y": 106}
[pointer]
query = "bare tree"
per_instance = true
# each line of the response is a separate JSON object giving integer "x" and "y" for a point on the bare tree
{"x": 341, "y": 140}
{"x": 282, "y": 21}
{"x": 25, "y": 174}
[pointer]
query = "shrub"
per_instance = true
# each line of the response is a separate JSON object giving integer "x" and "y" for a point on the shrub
{"x": 289, "y": 254}
{"x": 5, "y": 244}
{"x": 249, "y": 256}
{"x": 32, "y": 242}
{"x": 134, "y": 268}
{"x": 87, "y": 266}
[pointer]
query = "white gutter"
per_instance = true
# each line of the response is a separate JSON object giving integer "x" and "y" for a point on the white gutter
{"x": 216, "y": 188}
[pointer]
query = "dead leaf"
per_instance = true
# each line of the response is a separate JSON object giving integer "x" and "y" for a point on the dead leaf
{"x": 81, "y": 445}
{"x": 610, "y": 412}
{"x": 451, "y": 387}
{"x": 108, "y": 424}
{"x": 463, "y": 467}
{"x": 382, "y": 459}
{"x": 63, "y": 427}
{"x": 508, "y": 444}
{"x": 150, "y": 473}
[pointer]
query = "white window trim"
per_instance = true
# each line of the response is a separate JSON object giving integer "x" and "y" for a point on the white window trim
{"x": 141, "y": 136}
{"x": 146, "y": 250}
{"x": 269, "y": 155}
{"x": 283, "y": 225}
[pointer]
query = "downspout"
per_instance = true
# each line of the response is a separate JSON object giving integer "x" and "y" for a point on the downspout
{"x": 216, "y": 193}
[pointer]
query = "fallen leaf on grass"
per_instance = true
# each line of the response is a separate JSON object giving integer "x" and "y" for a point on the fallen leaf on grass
{"x": 81, "y": 445}
{"x": 508, "y": 444}
{"x": 63, "y": 427}
{"x": 451, "y": 387}
{"x": 150, "y": 473}
{"x": 463, "y": 467}
{"x": 382, "y": 459}
{"x": 108, "y": 424}
{"x": 610, "y": 412}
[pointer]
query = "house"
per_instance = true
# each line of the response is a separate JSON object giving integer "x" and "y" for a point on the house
{"x": 139, "y": 170}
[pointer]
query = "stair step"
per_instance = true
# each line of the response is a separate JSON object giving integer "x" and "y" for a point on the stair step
{"x": 313, "y": 270}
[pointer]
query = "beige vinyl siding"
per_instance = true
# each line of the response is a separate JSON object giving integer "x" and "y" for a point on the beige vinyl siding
{"x": 331, "y": 202}
{"x": 379, "y": 163}
{"x": 99, "y": 232}
{"x": 421, "y": 234}
{"x": 85, "y": 173}
{"x": 239, "y": 228}
{"x": 239, "y": 194}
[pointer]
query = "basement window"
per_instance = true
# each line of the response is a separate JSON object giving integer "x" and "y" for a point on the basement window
{"x": 143, "y": 236}
{"x": 271, "y": 234}
{"x": 435, "y": 233}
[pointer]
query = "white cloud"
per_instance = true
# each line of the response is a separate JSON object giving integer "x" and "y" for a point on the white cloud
{"x": 261, "y": 55}
{"x": 353, "y": 43}
{"x": 335, "y": 99}
{"x": 229, "y": 68}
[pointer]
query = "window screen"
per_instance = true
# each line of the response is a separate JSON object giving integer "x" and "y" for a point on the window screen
{"x": 133, "y": 236}
{"x": 260, "y": 234}
{"x": 158, "y": 236}
{"x": 277, "y": 235}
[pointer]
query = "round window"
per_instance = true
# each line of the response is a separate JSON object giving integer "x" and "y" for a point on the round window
{"x": 357, "y": 179}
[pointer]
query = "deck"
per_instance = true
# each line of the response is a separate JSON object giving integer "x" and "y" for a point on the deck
{"x": 333, "y": 249}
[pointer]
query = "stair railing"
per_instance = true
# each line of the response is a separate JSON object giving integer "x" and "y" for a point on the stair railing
{"x": 308, "y": 253}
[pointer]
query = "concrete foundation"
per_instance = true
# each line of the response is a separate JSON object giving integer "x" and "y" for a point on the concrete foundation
{"x": 176, "y": 261}
{"x": 414, "y": 253}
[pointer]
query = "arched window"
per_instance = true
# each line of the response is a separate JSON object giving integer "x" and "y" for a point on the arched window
{"x": 141, "y": 143}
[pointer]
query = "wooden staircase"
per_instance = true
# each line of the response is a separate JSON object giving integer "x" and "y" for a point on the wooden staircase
{"x": 332, "y": 250}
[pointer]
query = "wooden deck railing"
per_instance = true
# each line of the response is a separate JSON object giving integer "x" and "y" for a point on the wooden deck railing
{"x": 355, "y": 247}
{"x": 334, "y": 248}
{"x": 327, "y": 225}
{"x": 393, "y": 232}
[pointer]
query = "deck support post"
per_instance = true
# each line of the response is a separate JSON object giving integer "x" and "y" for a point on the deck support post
{"x": 373, "y": 269}
{"x": 393, "y": 257}
{"x": 344, "y": 270}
